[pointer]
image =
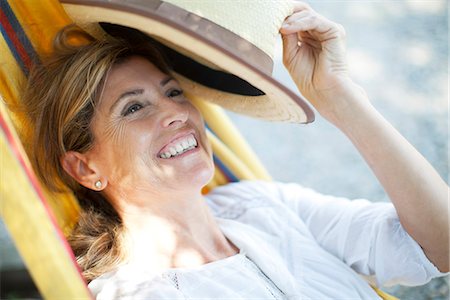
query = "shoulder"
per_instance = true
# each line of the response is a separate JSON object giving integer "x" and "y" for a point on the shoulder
{"x": 253, "y": 190}
{"x": 236, "y": 198}
{"x": 246, "y": 188}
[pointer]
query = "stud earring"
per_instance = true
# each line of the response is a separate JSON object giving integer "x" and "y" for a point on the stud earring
{"x": 98, "y": 184}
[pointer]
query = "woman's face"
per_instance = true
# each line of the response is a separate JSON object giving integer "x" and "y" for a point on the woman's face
{"x": 148, "y": 138}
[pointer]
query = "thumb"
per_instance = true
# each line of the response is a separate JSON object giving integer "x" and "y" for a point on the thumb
{"x": 290, "y": 47}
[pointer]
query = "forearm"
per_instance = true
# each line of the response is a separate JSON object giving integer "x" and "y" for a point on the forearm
{"x": 314, "y": 54}
{"x": 417, "y": 191}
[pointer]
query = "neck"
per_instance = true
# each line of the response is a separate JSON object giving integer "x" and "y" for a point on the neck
{"x": 174, "y": 232}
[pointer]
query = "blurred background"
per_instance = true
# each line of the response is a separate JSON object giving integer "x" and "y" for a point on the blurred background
{"x": 397, "y": 51}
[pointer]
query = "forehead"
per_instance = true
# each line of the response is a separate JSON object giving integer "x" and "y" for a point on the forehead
{"x": 134, "y": 67}
{"x": 134, "y": 72}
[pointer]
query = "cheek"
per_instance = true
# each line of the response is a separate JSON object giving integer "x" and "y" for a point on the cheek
{"x": 199, "y": 122}
{"x": 130, "y": 135}
{"x": 206, "y": 142}
{"x": 135, "y": 149}
{"x": 125, "y": 147}
{"x": 207, "y": 145}
{"x": 115, "y": 132}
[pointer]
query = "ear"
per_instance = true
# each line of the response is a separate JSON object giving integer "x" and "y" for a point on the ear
{"x": 76, "y": 165}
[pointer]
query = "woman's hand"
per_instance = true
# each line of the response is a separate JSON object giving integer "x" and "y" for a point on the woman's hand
{"x": 314, "y": 54}
{"x": 317, "y": 65}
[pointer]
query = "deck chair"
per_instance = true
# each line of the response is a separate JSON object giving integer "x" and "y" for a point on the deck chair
{"x": 38, "y": 220}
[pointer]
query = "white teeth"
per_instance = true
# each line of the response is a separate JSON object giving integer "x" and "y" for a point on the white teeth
{"x": 181, "y": 147}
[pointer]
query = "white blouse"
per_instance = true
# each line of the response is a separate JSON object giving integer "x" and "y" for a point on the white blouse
{"x": 294, "y": 244}
{"x": 243, "y": 277}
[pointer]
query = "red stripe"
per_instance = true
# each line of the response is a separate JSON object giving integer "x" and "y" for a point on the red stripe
{"x": 15, "y": 40}
{"x": 34, "y": 182}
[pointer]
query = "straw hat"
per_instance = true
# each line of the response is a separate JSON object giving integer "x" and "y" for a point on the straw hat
{"x": 221, "y": 51}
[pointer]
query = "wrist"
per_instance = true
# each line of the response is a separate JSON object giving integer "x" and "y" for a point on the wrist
{"x": 345, "y": 101}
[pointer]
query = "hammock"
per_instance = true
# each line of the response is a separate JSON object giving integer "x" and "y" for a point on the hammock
{"x": 37, "y": 219}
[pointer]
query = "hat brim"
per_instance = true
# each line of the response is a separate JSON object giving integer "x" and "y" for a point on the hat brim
{"x": 213, "y": 46}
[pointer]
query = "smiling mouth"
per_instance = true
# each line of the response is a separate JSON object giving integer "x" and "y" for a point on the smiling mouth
{"x": 179, "y": 147}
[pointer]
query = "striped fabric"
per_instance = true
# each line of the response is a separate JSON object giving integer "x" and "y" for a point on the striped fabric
{"x": 28, "y": 210}
{"x": 37, "y": 219}
{"x": 16, "y": 39}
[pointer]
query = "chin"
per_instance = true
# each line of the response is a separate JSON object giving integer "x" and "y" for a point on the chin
{"x": 202, "y": 177}
{"x": 201, "y": 172}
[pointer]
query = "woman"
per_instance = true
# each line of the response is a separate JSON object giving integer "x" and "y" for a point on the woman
{"x": 128, "y": 132}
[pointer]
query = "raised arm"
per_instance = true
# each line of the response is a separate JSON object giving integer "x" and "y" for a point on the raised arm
{"x": 314, "y": 54}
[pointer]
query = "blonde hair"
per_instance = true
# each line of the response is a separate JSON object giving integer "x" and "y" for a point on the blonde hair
{"x": 60, "y": 98}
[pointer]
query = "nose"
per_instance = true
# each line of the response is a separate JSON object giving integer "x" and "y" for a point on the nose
{"x": 174, "y": 113}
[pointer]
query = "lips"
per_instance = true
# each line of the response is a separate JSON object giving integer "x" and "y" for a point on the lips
{"x": 180, "y": 144}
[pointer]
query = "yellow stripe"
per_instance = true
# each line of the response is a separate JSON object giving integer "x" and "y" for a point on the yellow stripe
{"x": 219, "y": 122}
{"x": 10, "y": 73}
{"x": 236, "y": 166}
{"x": 35, "y": 237}
{"x": 215, "y": 181}
{"x": 384, "y": 295}
{"x": 220, "y": 177}
{"x": 41, "y": 20}
{"x": 11, "y": 81}
{"x": 33, "y": 232}
{"x": 10, "y": 77}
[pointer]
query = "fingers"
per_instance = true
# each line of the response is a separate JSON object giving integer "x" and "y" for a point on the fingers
{"x": 300, "y": 10}
{"x": 298, "y": 6}
{"x": 305, "y": 18}
{"x": 290, "y": 47}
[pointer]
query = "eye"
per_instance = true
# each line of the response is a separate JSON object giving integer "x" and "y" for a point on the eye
{"x": 132, "y": 109}
{"x": 174, "y": 93}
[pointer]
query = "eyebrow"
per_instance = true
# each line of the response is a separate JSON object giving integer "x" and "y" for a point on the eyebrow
{"x": 166, "y": 80}
{"x": 138, "y": 92}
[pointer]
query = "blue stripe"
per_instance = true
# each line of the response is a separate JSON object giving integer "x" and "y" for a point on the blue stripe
{"x": 209, "y": 128}
{"x": 21, "y": 36}
{"x": 220, "y": 164}
{"x": 225, "y": 170}
{"x": 13, "y": 52}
